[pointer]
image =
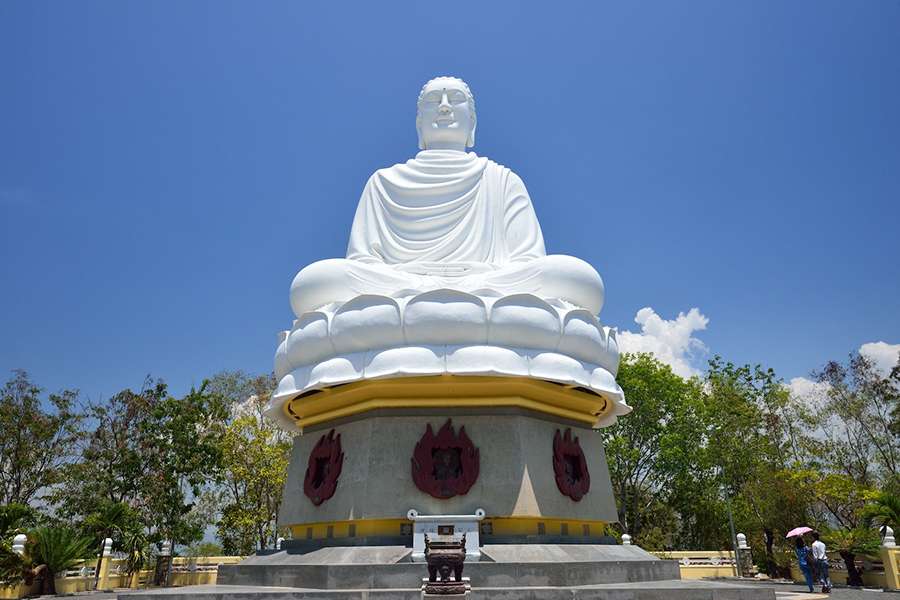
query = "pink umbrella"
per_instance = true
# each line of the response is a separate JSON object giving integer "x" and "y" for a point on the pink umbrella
{"x": 798, "y": 531}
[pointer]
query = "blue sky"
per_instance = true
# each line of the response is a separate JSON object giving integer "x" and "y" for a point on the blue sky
{"x": 167, "y": 167}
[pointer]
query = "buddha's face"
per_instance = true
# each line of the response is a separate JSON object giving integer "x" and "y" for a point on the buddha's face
{"x": 445, "y": 117}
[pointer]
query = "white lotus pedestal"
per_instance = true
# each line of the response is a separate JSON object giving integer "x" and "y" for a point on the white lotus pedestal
{"x": 444, "y": 332}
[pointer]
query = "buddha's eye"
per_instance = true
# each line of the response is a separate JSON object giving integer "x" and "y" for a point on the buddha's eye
{"x": 456, "y": 97}
{"x": 453, "y": 97}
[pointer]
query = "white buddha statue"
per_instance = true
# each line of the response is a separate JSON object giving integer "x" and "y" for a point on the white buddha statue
{"x": 446, "y": 219}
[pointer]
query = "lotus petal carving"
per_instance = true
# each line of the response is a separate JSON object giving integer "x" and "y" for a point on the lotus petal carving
{"x": 447, "y": 332}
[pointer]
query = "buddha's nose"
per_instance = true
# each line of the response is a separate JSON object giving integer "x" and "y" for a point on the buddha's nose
{"x": 444, "y": 106}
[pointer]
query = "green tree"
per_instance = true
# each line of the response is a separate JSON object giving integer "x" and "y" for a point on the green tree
{"x": 145, "y": 464}
{"x": 837, "y": 500}
{"x": 755, "y": 437}
{"x": 769, "y": 505}
{"x": 653, "y": 447}
{"x": 182, "y": 453}
{"x": 255, "y": 454}
{"x": 850, "y": 543}
{"x": 737, "y": 443}
{"x": 16, "y": 518}
{"x": 206, "y": 549}
{"x": 105, "y": 488}
{"x": 855, "y": 421}
{"x": 111, "y": 465}
{"x": 36, "y": 443}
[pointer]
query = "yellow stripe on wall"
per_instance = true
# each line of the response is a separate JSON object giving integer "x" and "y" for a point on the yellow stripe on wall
{"x": 501, "y": 526}
{"x": 447, "y": 391}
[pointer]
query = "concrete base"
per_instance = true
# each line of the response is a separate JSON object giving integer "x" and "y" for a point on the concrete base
{"x": 654, "y": 590}
{"x": 506, "y": 571}
{"x": 502, "y": 565}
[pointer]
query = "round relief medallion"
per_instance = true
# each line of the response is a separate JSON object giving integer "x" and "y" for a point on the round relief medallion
{"x": 570, "y": 466}
{"x": 446, "y": 464}
{"x": 323, "y": 468}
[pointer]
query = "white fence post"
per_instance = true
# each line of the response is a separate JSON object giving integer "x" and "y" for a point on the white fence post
{"x": 101, "y": 577}
{"x": 19, "y": 544}
{"x": 742, "y": 559}
{"x": 888, "y": 540}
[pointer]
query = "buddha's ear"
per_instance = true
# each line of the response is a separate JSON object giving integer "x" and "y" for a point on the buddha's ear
{"x": 419, "y": 133}
{"x": 471, "y": 141}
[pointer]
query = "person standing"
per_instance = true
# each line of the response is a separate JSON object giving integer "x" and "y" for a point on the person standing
{"x": 818, "y": 550}
{"x": 803, "y": 561}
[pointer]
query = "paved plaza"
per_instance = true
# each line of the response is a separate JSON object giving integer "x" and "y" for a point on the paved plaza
{"x": 791, "y": 592}
{"x": 782, "y": 592}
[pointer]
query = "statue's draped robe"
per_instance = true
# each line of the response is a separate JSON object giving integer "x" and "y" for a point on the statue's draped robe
{"x": 446, "y": 219}
{"x": 445, "y": 207}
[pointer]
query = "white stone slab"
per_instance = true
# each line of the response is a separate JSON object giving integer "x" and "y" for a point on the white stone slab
{"x": 467, "y": 525}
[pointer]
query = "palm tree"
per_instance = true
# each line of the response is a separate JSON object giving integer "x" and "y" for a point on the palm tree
{"x": 135, "y": 545}
{"x": 110, "y": 519}
{"x": 884, "y": 509}
{"x": 56, "y": 549}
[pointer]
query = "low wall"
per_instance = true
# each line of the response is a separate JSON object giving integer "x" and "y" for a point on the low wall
{"x": 883, "y": 574}
{"x": 890, "y": 561}
{"x": 701, "y": 564}
{"x": 80, "y": 578}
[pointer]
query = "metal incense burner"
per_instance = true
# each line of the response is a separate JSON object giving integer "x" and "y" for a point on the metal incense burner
{"x": 445, "y": 558}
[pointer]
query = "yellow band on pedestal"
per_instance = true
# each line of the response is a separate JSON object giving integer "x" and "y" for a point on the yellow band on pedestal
{"x": 447, "y": 391}
{"x": 498, "y": 526}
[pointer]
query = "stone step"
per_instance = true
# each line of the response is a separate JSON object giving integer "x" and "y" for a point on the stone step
{"x": 653, "y": 590}
{"x": 483, "y": 574}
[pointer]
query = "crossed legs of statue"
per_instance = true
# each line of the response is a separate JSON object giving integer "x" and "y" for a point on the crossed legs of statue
{"x": 555, "y": 276}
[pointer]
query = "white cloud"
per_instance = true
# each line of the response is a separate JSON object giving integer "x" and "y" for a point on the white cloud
{"x": 807, "y": 390}
{"x": 883, "y": 355}
{"x": 670, "y": 341}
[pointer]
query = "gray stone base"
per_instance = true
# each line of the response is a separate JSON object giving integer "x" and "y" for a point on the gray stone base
{"x": 516, "y": 476}
{"x": 653, "y": 590}
{"x": 502, "y": 565}
{"x": 507, "y": 571}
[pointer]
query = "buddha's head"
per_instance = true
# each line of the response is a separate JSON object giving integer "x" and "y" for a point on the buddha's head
{"x": 445, "y": 115}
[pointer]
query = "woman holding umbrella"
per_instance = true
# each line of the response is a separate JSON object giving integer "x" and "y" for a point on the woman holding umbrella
{"x": 802, "y": 554}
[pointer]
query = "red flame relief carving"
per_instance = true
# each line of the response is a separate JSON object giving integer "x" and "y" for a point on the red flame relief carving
{"x": 446, "y": 464}
{"x": 570, "y": 466}
{"x": 323, "y": 468}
